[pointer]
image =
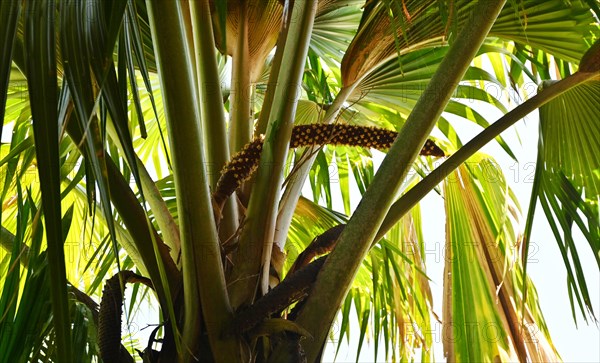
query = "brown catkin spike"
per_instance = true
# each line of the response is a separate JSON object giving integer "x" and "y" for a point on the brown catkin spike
{"x": 109, "y": 316}
{"x": 245, "y": 162}
{"x": 239, "y": 169}
{"x": 341, "y": 134}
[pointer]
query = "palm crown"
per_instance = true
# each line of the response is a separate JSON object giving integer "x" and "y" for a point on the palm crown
{"x": 153, "y": 138}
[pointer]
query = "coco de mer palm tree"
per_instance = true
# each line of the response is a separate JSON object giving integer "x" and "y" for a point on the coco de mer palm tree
{"x": 165, "y": 145}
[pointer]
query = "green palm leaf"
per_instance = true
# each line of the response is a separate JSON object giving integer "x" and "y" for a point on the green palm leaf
{"x": 335, "y": 25}
{"x": 568, "y": 179}
{"x": 480, "y": 272}
{"x": 43, "y": 90}
{"x": 555, "y": 27}
{"x": 399, "y": 88}
{"x": 9, "y": 14}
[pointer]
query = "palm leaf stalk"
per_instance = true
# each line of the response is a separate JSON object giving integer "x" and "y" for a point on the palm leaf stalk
{"x": 212, "y": 113}
{"x": 205, "y": 301}
{"x": 251, "y": 269}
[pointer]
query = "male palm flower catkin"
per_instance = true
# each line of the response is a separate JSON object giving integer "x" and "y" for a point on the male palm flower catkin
{"x": 245, "y": 162}
{"x": 109, "y": 315}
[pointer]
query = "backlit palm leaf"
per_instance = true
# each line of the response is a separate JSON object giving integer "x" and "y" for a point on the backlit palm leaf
{"x": 481, "y": 272}
{"x": 569, "y": 179}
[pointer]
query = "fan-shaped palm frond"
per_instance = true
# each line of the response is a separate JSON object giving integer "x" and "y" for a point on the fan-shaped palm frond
{"x": 481, "y": 271}
{"x": 567, "y": 180}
